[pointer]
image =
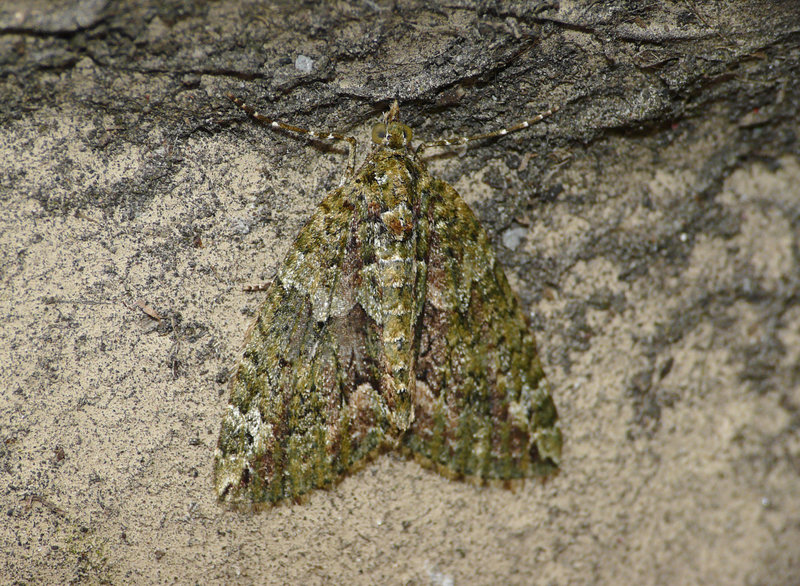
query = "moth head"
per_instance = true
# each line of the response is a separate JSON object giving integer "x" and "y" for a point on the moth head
{"x": 392, "y": 133}
{"x": 396, "y": 135}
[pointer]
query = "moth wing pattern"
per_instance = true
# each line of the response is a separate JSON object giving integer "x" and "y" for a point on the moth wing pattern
{"x": 303, "y": 406}
{"x": 482, "y": 406}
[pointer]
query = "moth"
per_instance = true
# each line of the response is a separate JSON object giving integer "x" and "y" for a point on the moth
{"x": 390, "y": 325}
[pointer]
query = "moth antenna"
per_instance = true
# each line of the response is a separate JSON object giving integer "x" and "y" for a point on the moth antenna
{"x": 351, "y": 141}
{"x": 461, "y": 140}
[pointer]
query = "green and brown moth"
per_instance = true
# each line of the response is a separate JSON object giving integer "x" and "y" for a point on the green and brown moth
{"x": 389, "y": 325}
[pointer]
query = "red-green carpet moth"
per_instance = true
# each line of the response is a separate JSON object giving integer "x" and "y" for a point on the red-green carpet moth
{"x": 389, "y": 325}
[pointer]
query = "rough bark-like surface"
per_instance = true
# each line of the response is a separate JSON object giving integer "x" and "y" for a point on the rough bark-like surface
{"x": 651, "y": 228}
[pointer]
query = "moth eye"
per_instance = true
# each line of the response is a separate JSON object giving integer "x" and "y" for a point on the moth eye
{"x": 378, "y": 133}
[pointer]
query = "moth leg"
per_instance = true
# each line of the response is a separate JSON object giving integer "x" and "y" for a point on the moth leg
{"x": 256, "y": 288}
{"x": 351, "y": 160}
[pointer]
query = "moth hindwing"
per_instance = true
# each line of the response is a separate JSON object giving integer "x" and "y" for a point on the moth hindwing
{"x": 390, "y": 324}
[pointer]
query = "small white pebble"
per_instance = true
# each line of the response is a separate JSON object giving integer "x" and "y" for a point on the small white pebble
{"x": 304, "y": 64}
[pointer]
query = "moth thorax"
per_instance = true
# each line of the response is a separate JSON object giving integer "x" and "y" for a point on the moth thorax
{"x": 396, "y": 136}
